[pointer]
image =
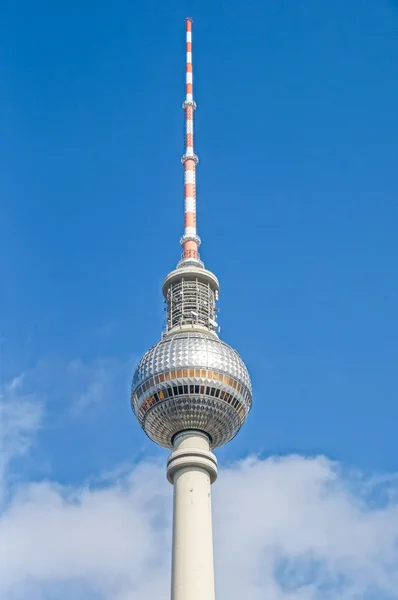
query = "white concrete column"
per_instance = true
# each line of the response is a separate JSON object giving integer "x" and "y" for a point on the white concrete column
{"x": 192, "y": 468}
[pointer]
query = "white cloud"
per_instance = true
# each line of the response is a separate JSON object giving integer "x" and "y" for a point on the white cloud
{"x": 287, "y": 529}
{"x": 60, "y": 388}
{"x": 20, "y": 418}
{"x": 108, "y": 538}
{"x": 297, "y": 527}
{"x": 291, "y": 528}
{"x": 75, "y": 385}
{"x": 90, "y": 384}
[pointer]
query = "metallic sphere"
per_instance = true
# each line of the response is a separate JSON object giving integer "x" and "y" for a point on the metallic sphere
{"x": 191, "y": 380}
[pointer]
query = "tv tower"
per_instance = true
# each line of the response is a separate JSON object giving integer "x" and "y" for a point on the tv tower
{"x": 191, "y": 392}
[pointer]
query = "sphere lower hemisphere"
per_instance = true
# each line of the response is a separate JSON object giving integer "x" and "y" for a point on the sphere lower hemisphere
{"x": 191, "y": 380}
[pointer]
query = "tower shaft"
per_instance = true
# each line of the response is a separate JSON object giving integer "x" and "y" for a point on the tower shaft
{"x": 192, "y": 468}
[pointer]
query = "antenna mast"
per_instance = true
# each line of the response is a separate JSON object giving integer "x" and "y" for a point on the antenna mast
{"x": 190, "y": 241}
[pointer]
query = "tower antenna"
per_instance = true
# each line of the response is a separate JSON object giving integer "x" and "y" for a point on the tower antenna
{"x": 190, "y": 241}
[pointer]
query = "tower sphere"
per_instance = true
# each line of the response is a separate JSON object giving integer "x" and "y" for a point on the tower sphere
{"x": 191, "y": 380}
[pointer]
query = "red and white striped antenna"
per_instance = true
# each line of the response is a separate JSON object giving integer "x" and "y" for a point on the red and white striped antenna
{"x": 190, "y": 241}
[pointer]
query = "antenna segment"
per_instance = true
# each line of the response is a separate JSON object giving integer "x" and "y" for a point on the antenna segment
{"x": 190, "y": 241}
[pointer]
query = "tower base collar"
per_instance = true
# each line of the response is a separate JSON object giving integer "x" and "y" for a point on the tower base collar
{"x": 191, "y": 458}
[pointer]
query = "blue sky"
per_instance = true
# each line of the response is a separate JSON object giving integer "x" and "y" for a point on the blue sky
{"x": 297, "y": 135}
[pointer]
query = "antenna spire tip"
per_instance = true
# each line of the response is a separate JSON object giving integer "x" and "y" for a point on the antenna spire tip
{"x": 189, "y": 19}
